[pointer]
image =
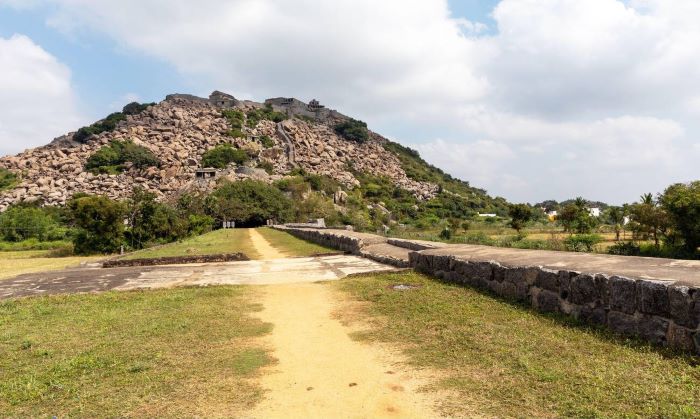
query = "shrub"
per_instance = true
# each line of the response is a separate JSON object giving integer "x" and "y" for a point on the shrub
{"x": 235, "y": 119}
{"x": 353, "y": 130}
{"x": 249, "y": 203}
{"x": 267, "y": 167}
{"x": 222, "y": 155}
{"x": 8, "y": 180}
{"x": 20, "y": 223}
{"x": 624, "y": 249}
{"x": 267, "y": 142}
{"x": 112, "y": 158}
{"x": 99, "y": 222}
{"x": 582, "y": 242}
{"x": 135, "y": 108}
{"x": 446, "y": 234}
{"x": 105, "y": 125}
{"x": 257, "y": 115}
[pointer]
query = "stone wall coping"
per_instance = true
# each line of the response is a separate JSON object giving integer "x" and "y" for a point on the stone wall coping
{"x": 679, "y": 272}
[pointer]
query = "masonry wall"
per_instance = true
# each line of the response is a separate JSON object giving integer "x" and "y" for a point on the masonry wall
{"x": 658, "y": 312}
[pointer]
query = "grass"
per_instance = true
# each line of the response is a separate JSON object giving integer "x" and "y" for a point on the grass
{"x": 30, "y": 261}
{"x": 290, "y": 245}
{"x": 216, "y": 242}
{"x": 187, "y": 352}
{"x": 505, "y": 360}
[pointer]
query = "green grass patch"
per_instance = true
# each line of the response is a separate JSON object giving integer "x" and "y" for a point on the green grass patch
{"x": 185, "y": 352}
{"x": 290, "y": 245}
{"x": 507, "y": 360}
{"x": 213, "y": 243}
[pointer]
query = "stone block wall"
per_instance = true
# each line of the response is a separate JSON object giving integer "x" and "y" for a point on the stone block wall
{"x": 659, "y": 312}
{"x": 328, "y": 238}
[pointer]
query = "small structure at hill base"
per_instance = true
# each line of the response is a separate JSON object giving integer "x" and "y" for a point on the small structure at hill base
{"x": 206, "y": 173}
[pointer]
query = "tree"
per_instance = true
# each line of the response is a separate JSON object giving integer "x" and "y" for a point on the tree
{"x": 222, "y": 155}
{"x": 616, "y": 218}
{"x": 575, "y": 217}
{"x": 249, "y": 202}
{"x": 648, "y": 219}
{"x": 99, "y": 222}
{"x": 682, "y": 205}
{"x": 353, "y": 130}
{"x": 520, "y": 214}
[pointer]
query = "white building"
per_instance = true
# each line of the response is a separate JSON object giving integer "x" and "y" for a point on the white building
{"x": 595, "y": 212}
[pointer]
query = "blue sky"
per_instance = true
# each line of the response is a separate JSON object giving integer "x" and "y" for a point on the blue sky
{"x": 104, "y": 73}
{"x": 540, "y": 99}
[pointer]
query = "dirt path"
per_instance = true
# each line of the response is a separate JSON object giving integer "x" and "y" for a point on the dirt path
{"x": 321, "y": 372}
{"x": 263, "y": 247}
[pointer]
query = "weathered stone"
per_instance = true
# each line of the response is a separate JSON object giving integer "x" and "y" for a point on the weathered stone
{"x": 547, "y": 301}
{"x": 622, "y": 323}
{"x": 680, "y": 337}
{"x": 653, "y": 298}
{"x": 548, "y": 279}
{"x": 653, "y": 328}
{"x": 583, "y": 290}
{"x": 595, "y": 315}
{"x": 623, "y": 294}
{"x": 682, "y": 306}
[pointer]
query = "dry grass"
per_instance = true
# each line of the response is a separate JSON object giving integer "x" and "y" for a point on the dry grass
{"x": 506, "y": 360}
{"x": 30, "y": 261}
{"x": 184, "y": 352}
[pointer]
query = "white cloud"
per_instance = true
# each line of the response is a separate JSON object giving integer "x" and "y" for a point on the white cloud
{"x": 37, "y": 102}
{"x": 594, "y": 97}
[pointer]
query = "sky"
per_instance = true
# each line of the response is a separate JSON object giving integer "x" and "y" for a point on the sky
{"x": 528, "y": 99}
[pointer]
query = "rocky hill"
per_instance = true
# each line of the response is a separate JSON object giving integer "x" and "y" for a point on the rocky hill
{"x": 182, "y": 128}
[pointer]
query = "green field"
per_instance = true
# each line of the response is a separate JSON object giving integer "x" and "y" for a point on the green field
{"x": 188, "y": 352}
{"x": 497, "y": 359}
{"x": 216, "y": 242}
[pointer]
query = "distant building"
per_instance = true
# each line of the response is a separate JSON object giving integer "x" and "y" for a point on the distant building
{"x": 487, "y": 215}
{"x": 292, "y": 106}
{"x": 595, "y": 212}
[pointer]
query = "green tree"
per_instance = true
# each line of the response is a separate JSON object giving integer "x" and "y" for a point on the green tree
{"x": 576, "y": 217}
{"x": 616, "y": 217}
{"x": 519, "y": 214}
{"x": 99, "y": 222}
{"x": 353, "y": 130}
{"x": 222, "y": 155}
{"x": 7, "y": 179}
{"x": 22, "y": 222}
{"x": 113, "y": 157}
{"x": 249, "y": 202}
{"x": 682, "y": 204}
{"x": 648, "y": 219}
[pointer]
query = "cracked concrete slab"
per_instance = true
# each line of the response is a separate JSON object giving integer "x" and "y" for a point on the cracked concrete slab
{"x": 255, "y": 272}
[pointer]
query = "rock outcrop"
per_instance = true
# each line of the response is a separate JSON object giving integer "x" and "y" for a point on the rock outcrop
{"x": 179, "y": 131}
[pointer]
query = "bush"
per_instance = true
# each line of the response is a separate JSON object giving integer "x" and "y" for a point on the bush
{"x": 582, "y": 242}
{"x": 353, "y": 130}
{"x": 446, "y": 234}
{"x": 249, "y": 203}
{"x": 8, "y": 180}
{"x": 20, "y": 223}
{"x": 135, "y": 108}
{"x": 235, "y": 119}
{"x": 113, "y": 157}
{"x": 222, "y": 155}
{"x": 267, "y": 167}
{"x": 267, "y": 142}
{"x": 624, "y": 249}
{"x": 99, "y": 222}
{"x": 105, "y": 125}
{"x": 257, "y": 115}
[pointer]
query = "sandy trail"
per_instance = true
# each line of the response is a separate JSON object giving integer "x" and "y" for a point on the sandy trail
{"x": 263, "y": 247}
{"x": 321, "y": 372}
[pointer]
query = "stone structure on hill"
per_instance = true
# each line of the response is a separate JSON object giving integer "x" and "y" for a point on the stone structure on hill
{"x": 295, "y": 107}
{"x": 179, "y": 130}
